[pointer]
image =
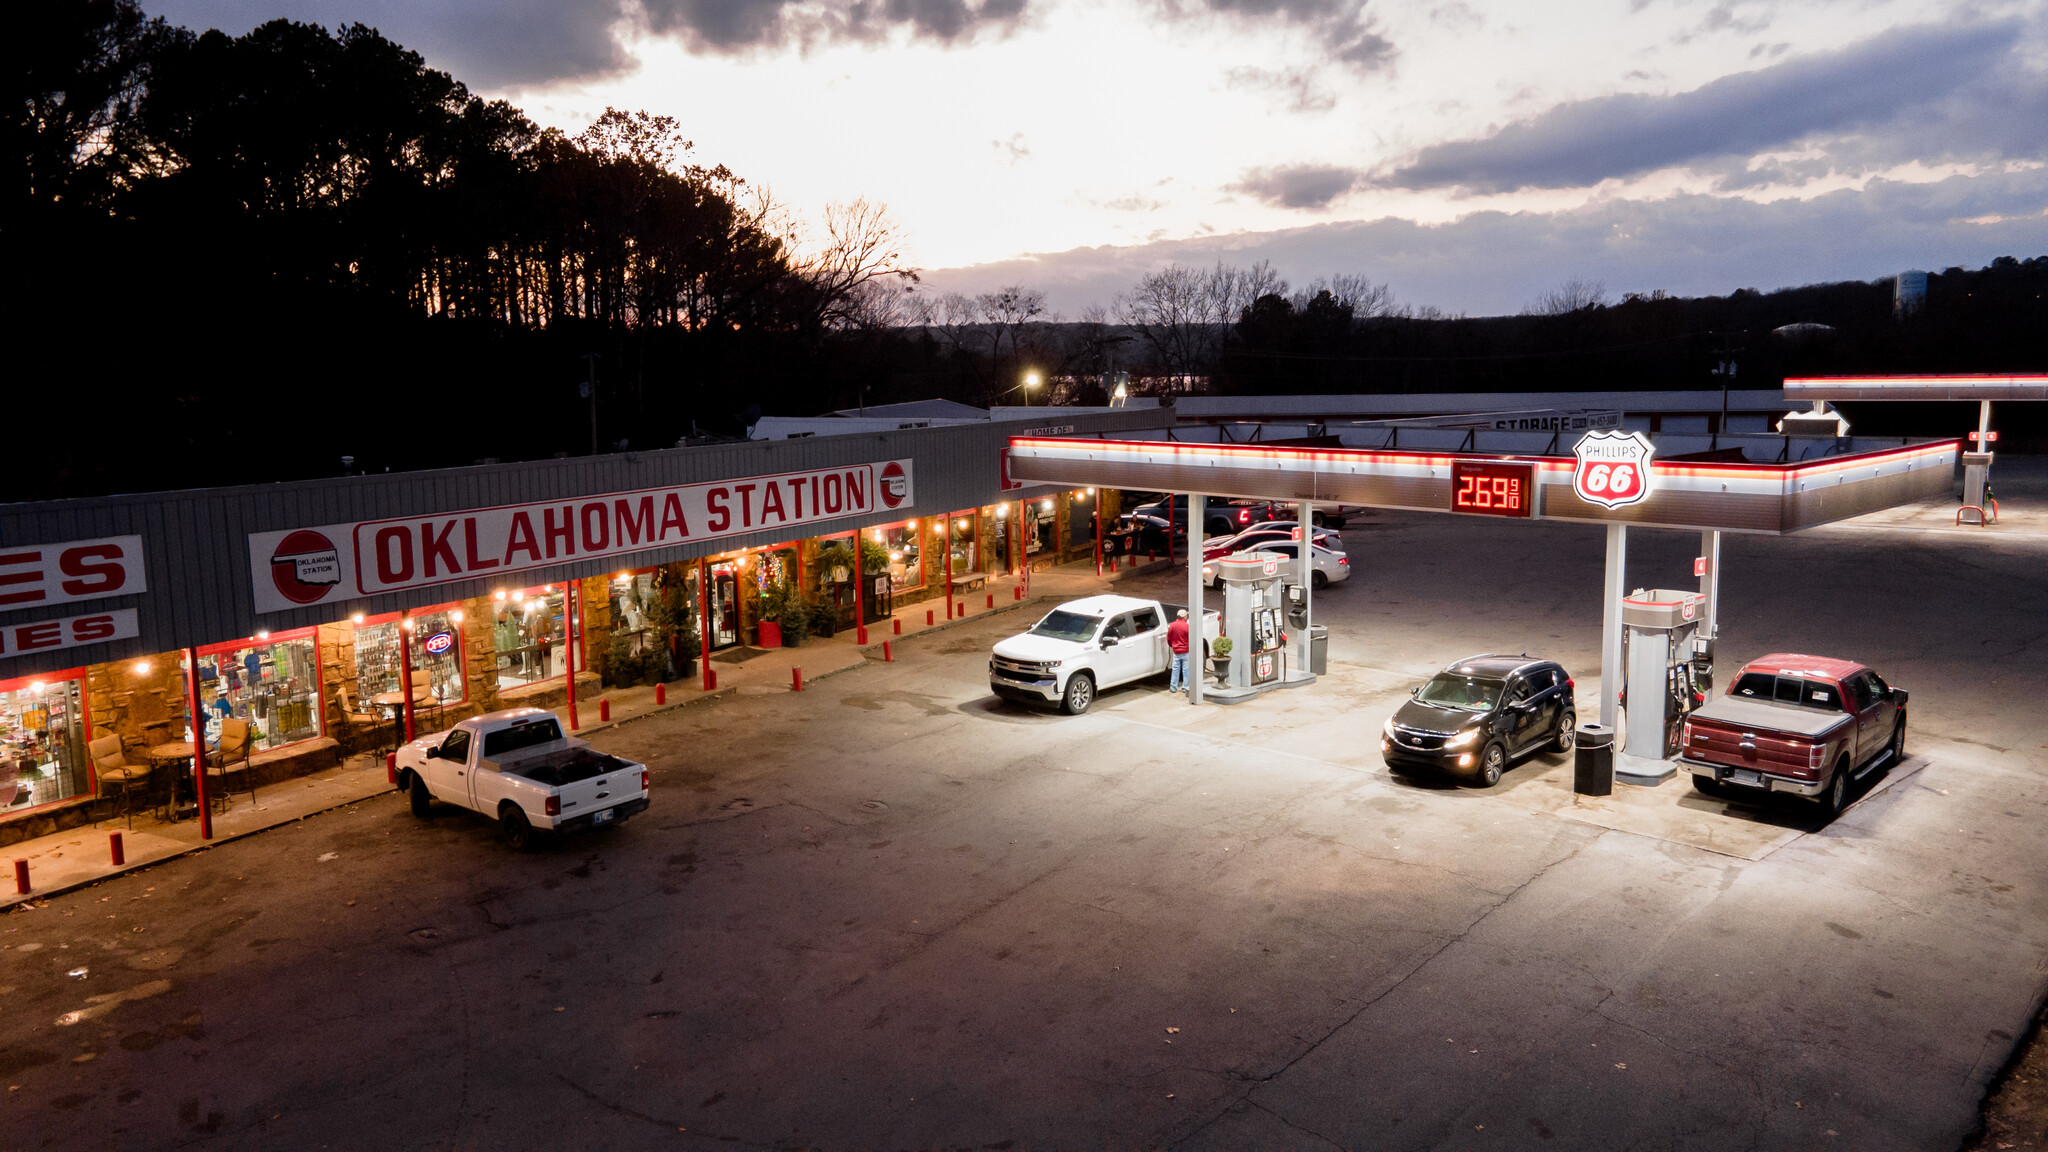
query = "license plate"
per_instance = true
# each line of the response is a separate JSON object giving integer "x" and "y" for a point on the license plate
{"x": 601, "y": 817}
{"x": 1743, "y": 776}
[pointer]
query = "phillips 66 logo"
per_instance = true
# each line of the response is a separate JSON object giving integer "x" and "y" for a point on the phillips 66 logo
{"x": 1613, "y": 468}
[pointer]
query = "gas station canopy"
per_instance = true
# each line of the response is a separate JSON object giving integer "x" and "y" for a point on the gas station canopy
{"x": 1707, "y": 495}
{"x": 1973, "y": 387}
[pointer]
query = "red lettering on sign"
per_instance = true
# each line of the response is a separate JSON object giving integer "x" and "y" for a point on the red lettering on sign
{"x": 834, "y": 496}
{"x": 29, "y": 637}
{"x": 672, "y": 513}
{"x": 633, "y": 528}
{"x": 796, "y": 496}
{"x": 469, "y": 546}
{"x": 32, "y": 576}
{"x": 597, "y": 529}
{"x": 520, "y": 538}
{"x": 394, "y": 565}
{"x": 94, "y": 579}
{"x": 856, "y": 492}
{"x": 721, "y": 516}
{"x": 565, "y": 532}
{"x": 433, "y": 547}
{"x": 771, "y": 501}
{"x": 746, "y": 492}
{"x": 86, "y": 629}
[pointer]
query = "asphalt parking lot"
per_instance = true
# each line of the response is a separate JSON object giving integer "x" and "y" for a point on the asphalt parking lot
{"x": 891, "y": 912}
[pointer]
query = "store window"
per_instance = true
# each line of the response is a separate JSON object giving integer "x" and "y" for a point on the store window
{"x": 1039, "y": 533}
{"x": 906, "y": 556}
{"x": 271, "y": 682}
{"x": 633, "y": 600}
{"x": 436, "y": 650}
{"x": 1080, "y": 521}
{"x": 964, "y": 543}
{"x": 529, "y": 630}
{"x": 42, "y": 742}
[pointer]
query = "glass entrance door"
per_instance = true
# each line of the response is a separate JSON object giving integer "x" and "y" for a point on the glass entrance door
{"x": 725, "y": 605}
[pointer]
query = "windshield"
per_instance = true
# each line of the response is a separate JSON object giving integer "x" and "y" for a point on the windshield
{"x": 1470, "y": 693}
{"x": 1061, "y": 624}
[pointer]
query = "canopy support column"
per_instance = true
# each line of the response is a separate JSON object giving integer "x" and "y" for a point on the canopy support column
{"x": 1614, "y": 589}
{"x": 1196, "y": 665}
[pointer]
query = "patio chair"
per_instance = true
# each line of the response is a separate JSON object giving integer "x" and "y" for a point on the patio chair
{"x": 117, "y": 776}
{"x": 352, "y": 713}
{"x": 234, "y": 745}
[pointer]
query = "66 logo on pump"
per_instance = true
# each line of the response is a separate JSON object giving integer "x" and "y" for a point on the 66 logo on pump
{"x": 1613, "y": 468}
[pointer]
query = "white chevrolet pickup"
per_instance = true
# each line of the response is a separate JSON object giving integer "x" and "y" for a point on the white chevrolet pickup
{"x": 1086, "y": 645}
{"x": 516, "y": 767}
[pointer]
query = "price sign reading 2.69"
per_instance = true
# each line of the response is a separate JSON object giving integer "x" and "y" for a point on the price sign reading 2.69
{"x": 1493, "y": 488}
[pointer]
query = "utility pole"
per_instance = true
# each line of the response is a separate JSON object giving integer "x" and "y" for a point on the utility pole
{"x": 589, "y": 389}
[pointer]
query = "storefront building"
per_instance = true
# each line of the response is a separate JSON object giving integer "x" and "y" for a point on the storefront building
{"x": 312, "y": 646}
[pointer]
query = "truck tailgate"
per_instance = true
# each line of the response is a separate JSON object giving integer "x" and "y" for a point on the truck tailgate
{"x": 1760, "y": 736}
{"x": 597, "y": 793}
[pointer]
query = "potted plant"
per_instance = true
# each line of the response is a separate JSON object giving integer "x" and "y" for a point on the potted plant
{"x": 1219, "y": 658}
{"x": 675, "y": 630}
{"x": 796, "y": 616}
{"x": 773, "y": 603}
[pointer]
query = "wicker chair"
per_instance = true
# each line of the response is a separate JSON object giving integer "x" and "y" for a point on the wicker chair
{"x": 352, "y": 713}
{"x": 234, "y": 745}
{"x": 117, "y": 776}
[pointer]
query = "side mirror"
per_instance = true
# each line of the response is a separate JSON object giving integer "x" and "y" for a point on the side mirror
{"x": 1109, "y": 641}
{"x": 434, "y": 753}
{"x": 1415, "y": 691}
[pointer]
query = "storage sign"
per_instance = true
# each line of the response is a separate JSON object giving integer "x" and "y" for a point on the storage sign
{"x": 69, "y": 632}
{"x": 302, "y": 566}
{"x": 36, "y": 574}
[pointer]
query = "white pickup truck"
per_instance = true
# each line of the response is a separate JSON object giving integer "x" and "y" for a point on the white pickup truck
{"x": 516, "y": 767}
{"x": 1086, "y": 645}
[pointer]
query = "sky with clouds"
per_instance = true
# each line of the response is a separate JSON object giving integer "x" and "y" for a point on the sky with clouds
{"x": 1470, "y": 153}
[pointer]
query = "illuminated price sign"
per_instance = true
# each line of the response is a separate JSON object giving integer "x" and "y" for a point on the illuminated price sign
{"x": 1493, "y": 488}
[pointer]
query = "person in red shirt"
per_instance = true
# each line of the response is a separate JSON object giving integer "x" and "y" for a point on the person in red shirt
{"x": 1177, "y": 640}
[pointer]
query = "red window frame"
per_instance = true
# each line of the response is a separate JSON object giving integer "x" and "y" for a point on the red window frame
{"x": 92, "y": 773}
{"x": 462, "y": 657}
{"x": 582, "y": 633}
{"x": 320, "y": 681}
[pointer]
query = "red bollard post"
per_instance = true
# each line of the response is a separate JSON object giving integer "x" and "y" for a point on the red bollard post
{"x": 796, "y": 679}
{"x": 1016, "y": 592}
{"x": 888, "y": 657}
{"x": 860, "y": 634}
{"x": 896, "y": 624}
{"x": 928, "y": 617}
{"x": 391, "y": 768}
{"x": 710, "y": 677}
{"x": 660, "y": 693}
{"x": 114, "y": 851}
{"x": 604, "y": 708}
{"x": 991, "y": 599}
{"x": 21, "y": 876}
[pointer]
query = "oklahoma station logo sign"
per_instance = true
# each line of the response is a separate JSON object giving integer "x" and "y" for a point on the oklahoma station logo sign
{"x": 1613, "y": 468}
{"x": 302, "y": 566}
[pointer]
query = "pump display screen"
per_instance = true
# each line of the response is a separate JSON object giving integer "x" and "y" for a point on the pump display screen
{"x": 1493, "y": 488}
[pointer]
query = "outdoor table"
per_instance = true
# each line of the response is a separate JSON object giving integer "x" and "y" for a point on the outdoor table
{"x": 395, "y": 701}
{"x": 172, "y": 754}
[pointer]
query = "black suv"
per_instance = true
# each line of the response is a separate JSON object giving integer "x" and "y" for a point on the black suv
{"x": 1481, "y": 713}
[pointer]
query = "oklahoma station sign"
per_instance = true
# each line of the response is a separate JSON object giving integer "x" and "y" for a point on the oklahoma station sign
{"x": 301, "y": 566}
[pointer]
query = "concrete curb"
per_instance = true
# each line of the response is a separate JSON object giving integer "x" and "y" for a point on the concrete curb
{"x": 14, "y": 902}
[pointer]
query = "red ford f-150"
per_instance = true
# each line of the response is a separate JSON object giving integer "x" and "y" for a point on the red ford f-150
{"x": 1796, "y": 723}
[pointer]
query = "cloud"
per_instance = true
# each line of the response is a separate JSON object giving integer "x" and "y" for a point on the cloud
{"x": 1299, "y": 185}
{"x": 1868, "y": 85}
{"x": 1297, "y": 85}
{"x": 510, "y": 43}
{"x": 1348, "y": 32}
{"x": 1492, "y": 262}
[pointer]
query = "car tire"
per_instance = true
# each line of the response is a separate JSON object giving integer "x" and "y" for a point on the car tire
{"x": 1318, "y": 581}
{"x": 1567, "y": 732}
{"x": 1493, "y": 760}
{"x": 1836, "y": 797}
{"x": 1899, "y": 742}
{"x": 1079, "y": 695}
{"x": 422, "y": 800}
{"x": 516, "y": 828}
{"x": 1705, "y": 785}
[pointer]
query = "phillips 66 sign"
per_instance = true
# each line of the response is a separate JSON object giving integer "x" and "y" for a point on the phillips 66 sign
{"x": 1613, "y": 468}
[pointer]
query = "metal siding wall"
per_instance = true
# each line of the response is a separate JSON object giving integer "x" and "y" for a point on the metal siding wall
{"x": 195, "y": 543}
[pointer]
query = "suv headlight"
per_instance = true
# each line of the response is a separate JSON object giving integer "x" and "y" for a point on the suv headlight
{"x": 1462, "y": 738}
{"x": 1387, "y": 729}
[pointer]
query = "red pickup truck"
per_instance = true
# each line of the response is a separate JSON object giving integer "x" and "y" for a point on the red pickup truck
{"x": 1796, "y": 723}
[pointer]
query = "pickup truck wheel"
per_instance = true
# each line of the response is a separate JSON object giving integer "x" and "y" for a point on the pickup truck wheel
{"x": 1080, "y": 694}
{"x": 422, "y": 800}
{"x": 1837, "y": 797}
{"x": 1493, "y": 760}
{"x": 1899, "y": 742}
{"x": 517, "y": 830}
{"x": 1567, "y": 731}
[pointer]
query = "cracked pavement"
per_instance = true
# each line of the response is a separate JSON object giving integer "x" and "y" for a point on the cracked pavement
{"x": 892, "y": 913}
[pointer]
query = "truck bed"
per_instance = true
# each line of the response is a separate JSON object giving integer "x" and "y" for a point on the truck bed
{"x": 1769, "y": 715}
{"x": 556, "y": 766}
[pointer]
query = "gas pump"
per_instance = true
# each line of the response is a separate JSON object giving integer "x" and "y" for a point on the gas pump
{"x": 1254, "y": 617}
{"x": 1661, "y": 627}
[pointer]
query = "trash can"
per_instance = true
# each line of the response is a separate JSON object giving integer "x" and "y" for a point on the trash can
{"x": 1593, "y": 761}
{"x": 1318, "y": 649}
